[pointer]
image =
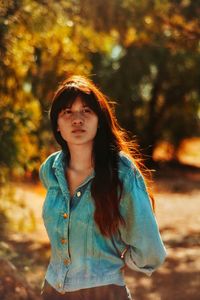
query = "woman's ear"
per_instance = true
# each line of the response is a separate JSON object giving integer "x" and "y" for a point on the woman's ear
{"x": 58, "y": 129}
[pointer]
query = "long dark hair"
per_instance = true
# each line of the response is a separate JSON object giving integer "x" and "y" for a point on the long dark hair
{"x": 106, "y": 187}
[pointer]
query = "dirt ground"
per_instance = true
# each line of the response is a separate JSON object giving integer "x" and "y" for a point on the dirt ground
{"x": 178, "y": 207}
{"x": 177, "y": 194}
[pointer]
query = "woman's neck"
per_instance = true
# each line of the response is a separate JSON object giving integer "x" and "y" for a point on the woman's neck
{"x": 80, "y": 158}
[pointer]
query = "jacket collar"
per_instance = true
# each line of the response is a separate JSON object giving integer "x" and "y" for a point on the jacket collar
{"x": 59, "y": 160}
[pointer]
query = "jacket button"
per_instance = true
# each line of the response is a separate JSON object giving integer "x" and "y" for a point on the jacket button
{"x": 65, "y": 215}
{"x": 78, "y": 194}
{"x": 63, "y": 241}
{"x": 66, "y": 261}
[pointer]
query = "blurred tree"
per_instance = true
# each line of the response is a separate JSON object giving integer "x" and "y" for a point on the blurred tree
{"x": 145, "y": 54}
{"x": 153, "y": 70}
{"x": 37, "y": 52}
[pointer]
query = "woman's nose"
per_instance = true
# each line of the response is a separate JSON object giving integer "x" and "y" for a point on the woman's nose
{"x": 77, "y": 119}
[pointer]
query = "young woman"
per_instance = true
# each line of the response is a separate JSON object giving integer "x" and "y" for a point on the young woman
{"x": 98, "y": 210}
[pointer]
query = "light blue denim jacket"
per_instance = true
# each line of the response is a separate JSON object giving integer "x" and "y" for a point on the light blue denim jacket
{"x": 81, "y": 257}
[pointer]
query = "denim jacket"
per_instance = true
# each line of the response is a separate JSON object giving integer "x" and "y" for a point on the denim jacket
{"x": 81, "y": 257}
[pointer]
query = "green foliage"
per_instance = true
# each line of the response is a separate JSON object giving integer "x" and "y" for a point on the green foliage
{"x": 155, "y": 76}
{"x": 145, "y": 55}
{"x": 159, "y": 93}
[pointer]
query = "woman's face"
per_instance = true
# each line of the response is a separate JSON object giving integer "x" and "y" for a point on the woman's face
{"x": 78, "y": 123}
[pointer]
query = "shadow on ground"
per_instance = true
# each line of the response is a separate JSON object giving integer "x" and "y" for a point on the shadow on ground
{"x": 177, "y": 279}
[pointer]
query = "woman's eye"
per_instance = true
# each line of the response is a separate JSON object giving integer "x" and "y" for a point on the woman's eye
{"x": 86, "y": 110}
{"x": 67, "y": 111}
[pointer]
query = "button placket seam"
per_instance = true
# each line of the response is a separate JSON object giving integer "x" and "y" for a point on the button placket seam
{"x": 63, "y": 187}
{"x": 67, "y": 229}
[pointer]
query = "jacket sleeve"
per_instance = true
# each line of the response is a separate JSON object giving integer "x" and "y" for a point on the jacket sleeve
{"x": 145, "y": 249}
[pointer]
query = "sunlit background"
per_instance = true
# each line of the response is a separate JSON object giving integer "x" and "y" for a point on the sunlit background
{"x": 145, "y": 55}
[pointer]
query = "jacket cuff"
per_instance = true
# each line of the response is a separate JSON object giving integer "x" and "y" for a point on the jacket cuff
{"x": 129, "y": 261}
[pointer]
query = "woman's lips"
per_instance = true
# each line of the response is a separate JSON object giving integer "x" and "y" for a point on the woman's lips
{"x": 78, "y": 131}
